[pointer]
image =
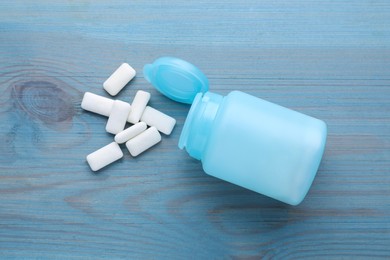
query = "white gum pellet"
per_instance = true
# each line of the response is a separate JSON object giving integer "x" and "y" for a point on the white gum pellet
{"x": 158, "y": 119}
{"x": 118, "y": 80}
{"x": 130, "y": 132}
{"x": 97, "y": 104}
{"x": 104, "y": 156}
{"x": 138, "y": 105}
{"x": 117, "y": 119}
{"x": 143, "y": 141}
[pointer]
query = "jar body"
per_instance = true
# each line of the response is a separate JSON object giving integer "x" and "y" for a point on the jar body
{"x": 263, "y": 147}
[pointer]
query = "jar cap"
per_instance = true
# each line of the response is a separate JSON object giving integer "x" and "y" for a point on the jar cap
{"x": 177, "y": 79}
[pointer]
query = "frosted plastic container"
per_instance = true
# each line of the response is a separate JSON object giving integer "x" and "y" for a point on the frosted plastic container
{"x": 255, "y": 144}
{"x": 243, "y": 139}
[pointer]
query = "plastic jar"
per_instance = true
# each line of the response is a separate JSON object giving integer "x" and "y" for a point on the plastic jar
{"x": 243, "y": 139}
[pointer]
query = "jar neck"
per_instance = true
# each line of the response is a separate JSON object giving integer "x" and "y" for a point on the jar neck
{"x": 198, "y": 125}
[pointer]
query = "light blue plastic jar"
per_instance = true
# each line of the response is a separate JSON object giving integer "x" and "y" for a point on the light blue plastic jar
{"x": 243, "y": 139}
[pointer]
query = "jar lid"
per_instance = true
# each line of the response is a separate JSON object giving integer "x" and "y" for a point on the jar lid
{"x": 177, "y": 79}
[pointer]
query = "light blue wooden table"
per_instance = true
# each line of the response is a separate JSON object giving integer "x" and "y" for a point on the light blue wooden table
{"x": 328, "y": 59}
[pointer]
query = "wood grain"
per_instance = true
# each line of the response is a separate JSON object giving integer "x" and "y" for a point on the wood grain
{"x": 326, "y": 59}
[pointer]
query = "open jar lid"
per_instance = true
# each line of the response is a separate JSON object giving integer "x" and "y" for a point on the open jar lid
{"x": 176, "y": 79}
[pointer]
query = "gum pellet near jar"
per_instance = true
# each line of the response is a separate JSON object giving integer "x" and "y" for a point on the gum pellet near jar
{"x": 243, "y": 139}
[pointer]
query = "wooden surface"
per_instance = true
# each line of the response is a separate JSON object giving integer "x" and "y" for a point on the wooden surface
{"x": 328, "y": 59}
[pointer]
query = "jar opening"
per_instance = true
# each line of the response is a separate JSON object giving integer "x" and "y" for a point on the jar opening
{"x": 198, "y": 124}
